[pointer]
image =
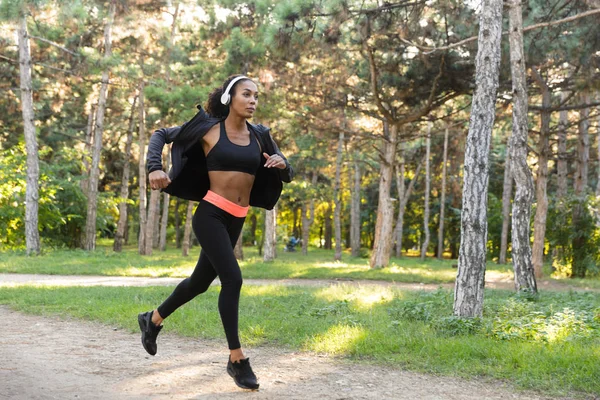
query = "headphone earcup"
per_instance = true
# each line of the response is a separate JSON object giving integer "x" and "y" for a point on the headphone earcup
{"x": 225, "y": 97}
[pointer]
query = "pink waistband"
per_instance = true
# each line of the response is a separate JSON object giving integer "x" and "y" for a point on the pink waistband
{"x": 226, "y": 205}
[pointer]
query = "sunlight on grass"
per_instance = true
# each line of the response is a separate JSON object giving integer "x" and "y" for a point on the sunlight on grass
{"x": 265, "y": 290}
{"x": 339, "y": 339}
{"x": 334, "y": 264}
{"x": 362, "y": 298}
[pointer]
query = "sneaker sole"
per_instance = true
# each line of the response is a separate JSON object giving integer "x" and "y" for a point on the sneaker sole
{"x": 239, "y": 385}
{"x": 143, "y": 329}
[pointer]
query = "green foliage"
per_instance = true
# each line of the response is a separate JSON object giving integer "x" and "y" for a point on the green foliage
{"x": 563, "y": 231}
{"x": 62, "y": 205}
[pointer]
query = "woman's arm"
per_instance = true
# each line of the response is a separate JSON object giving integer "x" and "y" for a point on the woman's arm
{"x": 286, "y": 174}
{"x": 155, "y": 147}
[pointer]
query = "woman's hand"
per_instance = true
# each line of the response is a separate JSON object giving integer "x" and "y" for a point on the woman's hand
{"x": 159, "y": 179}
{"x": 274, "y": 161}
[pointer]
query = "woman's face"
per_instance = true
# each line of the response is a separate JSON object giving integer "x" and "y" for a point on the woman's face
{"x": 245, "y": 99}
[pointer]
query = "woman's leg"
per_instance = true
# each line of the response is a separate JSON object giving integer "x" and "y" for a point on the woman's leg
{"x": 204, "y": 274}
{"x": 218, "y": 243}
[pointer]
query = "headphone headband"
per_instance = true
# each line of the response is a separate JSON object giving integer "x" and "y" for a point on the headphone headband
{"x": 225, "y": 97}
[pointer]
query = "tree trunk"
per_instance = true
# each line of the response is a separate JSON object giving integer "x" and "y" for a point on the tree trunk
{"x": 337, "y": 198}
{"x": 470, "y": 280}
{"x": 151, "y": 222}
{"x": 539, "y": 228}
{"x": 118, "y": 243}
{"x": 562, "y": 171}
{"x": 164, "y": 221}
{"x": 385, "y": 210}
{"x": 521, "y": 212}
{"x": 156, "y": 229}
{"x": 580, "y": 251}
{"x": 307, "y": 221}
{"x": 142, "y": 174}
{"x": 400, "y": 188}
{"x": 270, "y": 235}
{"x": 440, "y": 252}
{"x": 355, "y": 210}
{"x": 32, "y": 232}
{"x": 89, "y": 137}
{"x": 238, "y": 250}
{"x": 506, "y": 203}
{"x": 427, "y": 189}
{"x": 187, "y": 231}
{"x": 598, "y": 150}
{"x": 404, "y": 196}
{"x": 178, "y": 223}
{"x": 90, "y": 224}
{"x": 561, "y": 165}
{"x": 253, "y": 224}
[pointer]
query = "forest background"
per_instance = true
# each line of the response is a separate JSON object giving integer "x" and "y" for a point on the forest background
{"x": 370, "y": 101}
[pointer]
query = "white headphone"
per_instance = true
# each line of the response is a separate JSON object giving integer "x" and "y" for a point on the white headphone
{"x": 225, "y": 97}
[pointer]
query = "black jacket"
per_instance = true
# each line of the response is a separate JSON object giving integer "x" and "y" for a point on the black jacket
{"x": 189, "y": 175}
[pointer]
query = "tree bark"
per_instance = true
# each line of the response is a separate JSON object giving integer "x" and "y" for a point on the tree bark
{"x": 440, "y": 252}
{"x": 539, "y": 228}
{"x": 164, "y": 221}
{"x": 355, "y": 210}
{"x": 580, "y": 250}
{"x": 156, "y": 229}
{"x": 270, "y": 235}
{"x": 598, "y": 151}
{"x": 118, "y": 243}
{"x": 385, "y": 210}
{"x": 307, "y": 221}
{"x": 253, "y": 225}
{"x": 90, "y": 225}
{"x": 187, "y": 230}
{"x": 32, "y": 232}
{"x": 521, "y": 212}
{"x": 470, "y": 280}
{"x": 89, "y": 137}
{"x": 151, "y": 222}
{"x": 178, "y": 234}
{"x": 506, "y": 205}
{"x": 328, "y": 228}
{"x": 404, "y": 196}
{"x": 337, "y": 198}
{"x": 427, "y": 190}
{"x": 142, "y": 173}
{"x": 561, "y": 165}
{"x": 238, "y": 251}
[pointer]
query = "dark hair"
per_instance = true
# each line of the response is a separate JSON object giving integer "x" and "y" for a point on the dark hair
{"x": 214, "y": 106}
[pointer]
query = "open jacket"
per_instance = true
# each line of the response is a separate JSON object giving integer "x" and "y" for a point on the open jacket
{"x": 189, "y": 175}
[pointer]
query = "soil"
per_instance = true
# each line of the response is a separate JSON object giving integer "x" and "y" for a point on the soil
{"x": 57, "y": 358}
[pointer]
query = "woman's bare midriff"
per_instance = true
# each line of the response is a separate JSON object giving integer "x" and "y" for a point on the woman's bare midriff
{"x": 233, "y": 185}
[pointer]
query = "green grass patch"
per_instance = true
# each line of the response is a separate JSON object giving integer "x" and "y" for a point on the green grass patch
{"x": 318, "y": 264}
{"x": 549, "y": 343}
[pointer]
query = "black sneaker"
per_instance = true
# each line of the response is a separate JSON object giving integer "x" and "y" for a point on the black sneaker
{"x": 242, "y": 374}
{"x": 149, "y": 332}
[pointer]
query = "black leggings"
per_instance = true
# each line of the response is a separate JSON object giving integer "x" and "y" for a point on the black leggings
{"x": 217, "y": 231}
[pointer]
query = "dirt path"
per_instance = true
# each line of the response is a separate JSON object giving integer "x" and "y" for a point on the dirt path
{"x": 492, "y": 282}
{"x": 53, "y": 358}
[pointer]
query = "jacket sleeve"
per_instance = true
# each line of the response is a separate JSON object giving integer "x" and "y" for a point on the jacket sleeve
{"x": 157, "y": 141}
{"x": 286, "y": 174}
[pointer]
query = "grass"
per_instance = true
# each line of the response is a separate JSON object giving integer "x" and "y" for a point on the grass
{"x": 318, "y": 264}
{"x": 550, "y": 343}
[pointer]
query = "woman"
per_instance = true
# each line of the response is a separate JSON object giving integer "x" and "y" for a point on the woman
{"x": 227, "y": 164}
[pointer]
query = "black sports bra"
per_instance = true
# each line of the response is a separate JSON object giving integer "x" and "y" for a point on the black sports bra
{"x": 228, "y": 156}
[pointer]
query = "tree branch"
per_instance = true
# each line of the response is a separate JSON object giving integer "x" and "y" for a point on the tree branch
{"x": 429, "y": 50}
{"x": 54, "y": 44}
